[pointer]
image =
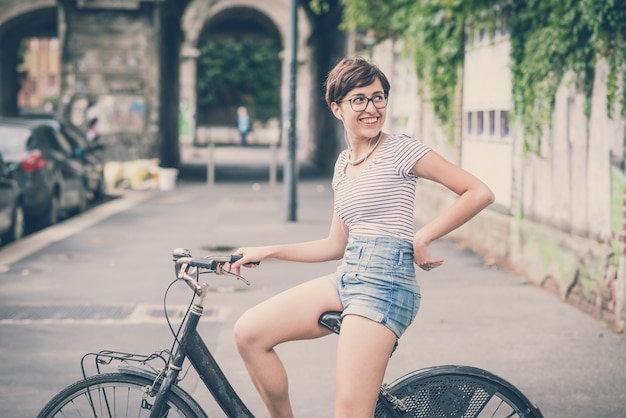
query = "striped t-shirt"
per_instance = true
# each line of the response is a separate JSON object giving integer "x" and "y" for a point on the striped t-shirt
{"x": 380, "y": 200}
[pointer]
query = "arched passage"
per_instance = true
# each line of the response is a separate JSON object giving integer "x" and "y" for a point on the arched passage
{"x": 239, "y": 65}
{"x": 41, "y": 22}
{"x": 244, "y": 19}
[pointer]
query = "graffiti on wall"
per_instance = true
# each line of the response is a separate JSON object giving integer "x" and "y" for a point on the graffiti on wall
{"x": 115, "y": 113}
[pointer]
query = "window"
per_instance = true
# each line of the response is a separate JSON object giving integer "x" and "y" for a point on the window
{"x": 504, "y": 123}
{"x": 492, "y": 123}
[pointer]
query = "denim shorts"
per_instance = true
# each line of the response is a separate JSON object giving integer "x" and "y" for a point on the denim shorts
{"x": 376, "y": 280}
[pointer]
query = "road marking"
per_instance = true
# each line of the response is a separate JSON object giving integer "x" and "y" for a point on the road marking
{"x": 102, "y": 315}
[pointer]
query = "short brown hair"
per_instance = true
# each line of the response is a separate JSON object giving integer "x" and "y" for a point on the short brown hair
{"x": 350, "y": 73}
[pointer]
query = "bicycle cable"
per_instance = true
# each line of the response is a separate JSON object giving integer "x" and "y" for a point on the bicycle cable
{"x": 167, "y": 317}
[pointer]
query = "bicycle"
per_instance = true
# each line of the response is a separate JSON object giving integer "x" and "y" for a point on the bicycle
{"x": 140, "y": 388}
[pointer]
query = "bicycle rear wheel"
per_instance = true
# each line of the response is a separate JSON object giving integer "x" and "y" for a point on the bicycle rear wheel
{"x": 454, "y": 392}
{"x": 114, "y": 395}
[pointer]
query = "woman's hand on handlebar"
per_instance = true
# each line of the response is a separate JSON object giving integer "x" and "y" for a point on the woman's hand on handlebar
{"x": 250, "y": 257}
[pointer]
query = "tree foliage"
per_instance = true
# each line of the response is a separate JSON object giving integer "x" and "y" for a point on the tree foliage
{"x": 549, "y": 39}
{"x": 233, "y": 72}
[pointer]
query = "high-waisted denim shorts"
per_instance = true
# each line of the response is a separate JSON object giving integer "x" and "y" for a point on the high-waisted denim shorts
{"x": 376, "y": 280}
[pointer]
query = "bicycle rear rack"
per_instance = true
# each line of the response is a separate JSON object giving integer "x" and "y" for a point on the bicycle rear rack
{"x": 156, "y": 362}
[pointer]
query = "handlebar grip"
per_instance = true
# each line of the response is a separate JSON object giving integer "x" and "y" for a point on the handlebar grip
{"x": 204, "y": 263}
{"x": 236, "y": 257}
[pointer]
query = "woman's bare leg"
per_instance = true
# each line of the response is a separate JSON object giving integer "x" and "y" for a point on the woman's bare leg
{"x": 288, "y": 316}
{"x": 362, "y": 356}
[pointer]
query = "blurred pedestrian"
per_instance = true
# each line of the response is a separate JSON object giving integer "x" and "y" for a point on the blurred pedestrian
{"x": 243, "y": 123}
{"x": 373, "y": 230}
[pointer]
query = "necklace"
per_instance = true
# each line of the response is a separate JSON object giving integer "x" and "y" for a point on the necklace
{"x": 370, "y": 150}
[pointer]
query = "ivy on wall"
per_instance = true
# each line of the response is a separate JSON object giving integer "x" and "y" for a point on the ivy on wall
{"x": 549, "y": 40}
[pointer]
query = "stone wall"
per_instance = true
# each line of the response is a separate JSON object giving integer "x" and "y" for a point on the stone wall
{"x": 578, "y": 270}
{"x": 111, "y": 71}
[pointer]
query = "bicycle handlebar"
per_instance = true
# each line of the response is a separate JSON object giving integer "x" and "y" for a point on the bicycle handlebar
{"x": 215, "y": 263}
{"x": 212, "y": 263}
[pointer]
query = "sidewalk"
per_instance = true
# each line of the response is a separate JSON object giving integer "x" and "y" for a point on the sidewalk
{"x": 471, "y": 313}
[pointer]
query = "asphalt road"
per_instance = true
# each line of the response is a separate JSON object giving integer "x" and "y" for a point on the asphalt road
{"x": 97, "y": 281}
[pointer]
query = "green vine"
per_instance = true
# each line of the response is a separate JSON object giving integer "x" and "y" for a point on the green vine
{"x": 436, "y": 41}
{"x": 550, "y": 40}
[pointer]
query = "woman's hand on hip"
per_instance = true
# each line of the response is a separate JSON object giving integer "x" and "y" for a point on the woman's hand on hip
{"x": 423, "y": 258}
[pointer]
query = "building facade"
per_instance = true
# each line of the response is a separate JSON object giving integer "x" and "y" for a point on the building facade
{"x": 558, "y": 218}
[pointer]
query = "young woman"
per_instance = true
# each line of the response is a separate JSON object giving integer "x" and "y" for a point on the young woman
{"x": 372, "y": 229}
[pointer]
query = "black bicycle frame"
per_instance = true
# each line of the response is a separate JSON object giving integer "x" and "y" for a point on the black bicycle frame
{"x": 193, "y": 347}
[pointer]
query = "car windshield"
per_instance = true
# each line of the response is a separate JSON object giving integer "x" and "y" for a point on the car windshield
{"x": 13, "y": 139}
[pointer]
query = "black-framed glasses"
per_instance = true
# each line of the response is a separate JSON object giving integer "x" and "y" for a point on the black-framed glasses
{"x": 359, "y": 103}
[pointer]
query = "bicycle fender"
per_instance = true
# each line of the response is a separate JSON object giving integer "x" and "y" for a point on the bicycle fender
{"x": 151, "y": 376}
{"x": 438, "y": 371}
{"x": 137, "y": 371}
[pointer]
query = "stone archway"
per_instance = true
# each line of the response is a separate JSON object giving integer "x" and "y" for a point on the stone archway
{"x": 126, "y": 56}
{"x": 269, "y": 19}
{"x": 122, "y": 57}
{"x": 239, "y": 47}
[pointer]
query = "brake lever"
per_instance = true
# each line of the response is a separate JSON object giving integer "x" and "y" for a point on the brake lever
{"x": 222, "y": 271}
{"x": 243, "y": 279}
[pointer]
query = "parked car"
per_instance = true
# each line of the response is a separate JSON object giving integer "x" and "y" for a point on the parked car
{"x": 11, "y": 210}
{"x": 89, "y": 152}
{"x": 52, "y": 178}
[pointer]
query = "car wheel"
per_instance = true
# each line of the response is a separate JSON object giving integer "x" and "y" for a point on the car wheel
{"x": 100, "y": 191}
{"x": 52, "y": 214}
{"x": 17, "y": 225}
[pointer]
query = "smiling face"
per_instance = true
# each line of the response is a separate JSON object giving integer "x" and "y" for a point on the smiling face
{"x": 366, "y": 123}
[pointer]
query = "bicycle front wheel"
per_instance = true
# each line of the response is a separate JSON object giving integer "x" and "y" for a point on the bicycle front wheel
{"x": 454, "y": 391}
{"x": 115, "y": 395}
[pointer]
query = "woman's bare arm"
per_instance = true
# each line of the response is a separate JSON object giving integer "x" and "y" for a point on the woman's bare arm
{"x": 325, "y": 249}
{"x": 474, "y": 196}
